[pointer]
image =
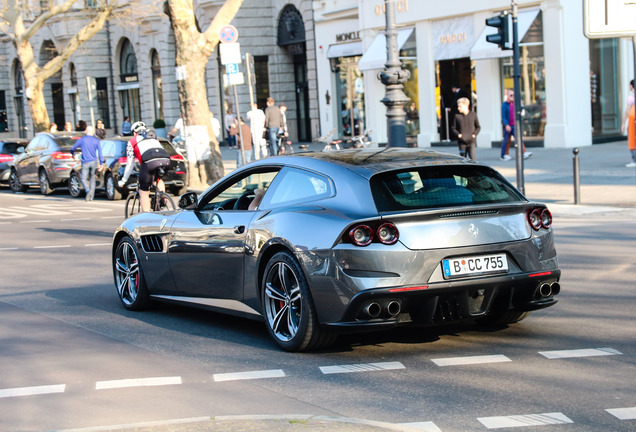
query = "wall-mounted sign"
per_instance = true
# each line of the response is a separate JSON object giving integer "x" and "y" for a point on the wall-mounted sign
{"x": 452, "y": 38}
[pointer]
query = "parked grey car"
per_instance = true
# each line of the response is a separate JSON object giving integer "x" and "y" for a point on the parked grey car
{"x": 351, "y": 240}
{"x": 9, "y": 148}
{"x": 46, "y": 162}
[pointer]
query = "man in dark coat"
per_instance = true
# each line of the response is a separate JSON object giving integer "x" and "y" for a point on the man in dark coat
{"x": 466, "y": 127}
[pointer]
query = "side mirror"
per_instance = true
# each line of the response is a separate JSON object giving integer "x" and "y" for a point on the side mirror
{"x": 188, "y": 201}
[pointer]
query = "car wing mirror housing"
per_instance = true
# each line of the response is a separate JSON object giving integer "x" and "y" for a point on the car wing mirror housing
{"x": 188, "y": 201}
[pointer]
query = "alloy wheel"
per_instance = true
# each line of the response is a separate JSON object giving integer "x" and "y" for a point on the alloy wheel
{"x": 127, "y": 273}
{"x": 283, "y": 302}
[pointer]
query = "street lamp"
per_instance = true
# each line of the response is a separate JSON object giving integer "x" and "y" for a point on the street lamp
{"x": 394, "y": 77}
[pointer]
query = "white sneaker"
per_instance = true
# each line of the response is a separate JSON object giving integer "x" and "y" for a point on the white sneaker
{"x": 631, "y": 165}
{"x": 527, "y": 154}
{"x": 506, "y": 157}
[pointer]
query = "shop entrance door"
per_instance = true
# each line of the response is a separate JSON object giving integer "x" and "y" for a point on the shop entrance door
{"x": 451, "y": 73}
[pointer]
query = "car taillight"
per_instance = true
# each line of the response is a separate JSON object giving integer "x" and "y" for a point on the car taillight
{"x": 61, "y": 155}
{"x": 540, "y": 217}
{"x": 177, "y": 157}
{"x": 364, "y": 235}
{"x": 6, "y": 158}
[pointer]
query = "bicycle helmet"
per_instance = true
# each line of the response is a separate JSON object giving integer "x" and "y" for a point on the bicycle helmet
{"x": 138, "y": 127}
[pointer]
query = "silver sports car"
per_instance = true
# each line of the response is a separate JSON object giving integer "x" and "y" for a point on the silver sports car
{"x": 317, "y": 244}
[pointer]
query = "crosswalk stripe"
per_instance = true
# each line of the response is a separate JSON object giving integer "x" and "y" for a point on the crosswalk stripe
{"x": 623, "y": 413}
{"x": 51, "y": 247}
{"x": 423, "y": 426}
{"x": 233, "y": 376}
{"x": 524, "y": 420}
{"x": 29, "y": 391}
{"x": 457, "y": 361}
{"x": 137, "y": 382}
{"x": 589, "y": 352}
{"x": 365, "y": 367}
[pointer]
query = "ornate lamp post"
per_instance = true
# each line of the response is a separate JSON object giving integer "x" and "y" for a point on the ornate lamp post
{"x": 394, "y": 77}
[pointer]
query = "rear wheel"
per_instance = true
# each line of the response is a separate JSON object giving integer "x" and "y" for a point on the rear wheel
{"x": 15, "y": 184}
{"x": 133, "y": 205}
{"x": 75, "y": 185}
{"x": 45, "y": 186}
{"x": 112, "y": 193}
{"x": 289, "y": 310}
{"x": 128, "y": 274}
{"x": 164, "y": 202}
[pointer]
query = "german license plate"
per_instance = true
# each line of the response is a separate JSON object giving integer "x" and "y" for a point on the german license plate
{"x": 475, "y": 265}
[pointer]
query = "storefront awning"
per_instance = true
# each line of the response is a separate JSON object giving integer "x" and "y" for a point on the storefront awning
{"x": 345, "y": 49}
{"x": 483, "y": 49}
{"x": 375, "y": 56}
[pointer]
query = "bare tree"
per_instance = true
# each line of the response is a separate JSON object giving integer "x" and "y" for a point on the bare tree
{"x": 20, "y": 22}
{"x": 193, "y": 49}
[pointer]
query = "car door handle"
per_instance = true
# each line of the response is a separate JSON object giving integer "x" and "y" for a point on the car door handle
{"x": 239, "y": 229}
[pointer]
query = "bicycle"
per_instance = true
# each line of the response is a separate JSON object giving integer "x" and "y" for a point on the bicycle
{"x": 159, "y": 200}
{"x": 329, "y": 144}
{"x": 362, "y": 141}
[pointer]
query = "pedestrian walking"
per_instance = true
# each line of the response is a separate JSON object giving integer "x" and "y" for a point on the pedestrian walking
{"x": 631, "y": 136}
{"x": 256, "y": 117}
{"x": 229, "y": 121}
{"x": 90, "y": 147}
{"x": 244, "y": 147}
{"x": 273, "y": 122}
{"x": 508, "y": 124}
{"x": 628, "y": 105}
{"x": 466, "y": 128}
{"x": 216, "y": 126}
{"x": 126, "y": 127}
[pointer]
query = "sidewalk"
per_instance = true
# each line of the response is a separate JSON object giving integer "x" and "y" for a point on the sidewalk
{"x": 605, "y": 183}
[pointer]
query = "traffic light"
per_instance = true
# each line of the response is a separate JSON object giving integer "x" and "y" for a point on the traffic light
{"x": 502, "y": 23}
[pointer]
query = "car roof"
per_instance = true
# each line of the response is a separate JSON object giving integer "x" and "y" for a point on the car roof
{"x": 370, "y": 161}
{"x": 14, "y": 140}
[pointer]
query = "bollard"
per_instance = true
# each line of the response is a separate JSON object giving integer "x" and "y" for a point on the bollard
{"x": 447, "y": 110}
{"x": 577, "y": 176}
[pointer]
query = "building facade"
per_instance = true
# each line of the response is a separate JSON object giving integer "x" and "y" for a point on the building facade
{"x": 573, "y": 90}
{"x": 128, "y": 70}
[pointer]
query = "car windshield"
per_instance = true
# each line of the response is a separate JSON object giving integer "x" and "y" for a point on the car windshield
{"x": 440, "y": 186}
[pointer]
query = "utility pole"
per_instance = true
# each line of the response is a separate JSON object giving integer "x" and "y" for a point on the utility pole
{"x": 517, "y": 83}
{"x": 394, "y": 77}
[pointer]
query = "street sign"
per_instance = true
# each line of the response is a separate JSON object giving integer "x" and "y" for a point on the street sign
{"x": 234, "y": 79}
{"x": 228, "y": 34}
{"x": 609, "y": 18}
{"x": 232, "y": 68}
{"x": 230, "y": 53}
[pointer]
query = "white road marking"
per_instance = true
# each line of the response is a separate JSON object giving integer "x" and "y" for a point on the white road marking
{"x": 423, "y": 426}
{"x": 35, "y": 221}
{"x": 97, "y": 244}
{"x": 4, "y": 223}
{"x": 457, "y": 361}
{"x": 232, "y": 376}
{"x": 5, "y": 249}
{"x": 589, "y": 352}
{"x": 113, "y": 217}
{"x": 137, "y": 382}
{"x": 524, "y": 420}
{"x": 365, "y": 367}
{"x": 28, "y": 391}
{"x": 51, "y": 247}
{"x": 75, "y": 219}
{"x": 623, "y": 413}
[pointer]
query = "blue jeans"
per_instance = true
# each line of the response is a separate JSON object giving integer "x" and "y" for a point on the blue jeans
{"x": 506, "y": 137}
{"x": 231, "y": 140}
{"x": 89, "y": 169}
{"x": 273, "y": 141}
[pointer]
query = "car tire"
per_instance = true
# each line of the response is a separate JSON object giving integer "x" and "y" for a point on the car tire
{"x": 129, "y": 276}
{"x": 502, "y": 318}
{"x": 288, "y": 308}
{"x": 15, "y": 184}
{"x": 45, "y": 186}
{"x": 112, "y": 193}
{"x": 75, "y": 187}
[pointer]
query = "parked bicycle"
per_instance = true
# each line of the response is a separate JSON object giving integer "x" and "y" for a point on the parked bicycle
{"x": 159, "y": 200}
{"x": 329, "y": 143}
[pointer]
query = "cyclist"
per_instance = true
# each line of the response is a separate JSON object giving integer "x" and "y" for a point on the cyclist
{"x": 152, "y": 157}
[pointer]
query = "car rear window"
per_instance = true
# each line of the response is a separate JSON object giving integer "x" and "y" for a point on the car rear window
{"x": 440, "y": 186}
{"x": 11, "y": 148}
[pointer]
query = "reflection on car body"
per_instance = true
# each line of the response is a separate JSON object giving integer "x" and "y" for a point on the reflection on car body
{"x": 351, "y": 240}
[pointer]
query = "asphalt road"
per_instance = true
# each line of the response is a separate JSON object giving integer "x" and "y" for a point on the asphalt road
{"x": 73, "y": 359}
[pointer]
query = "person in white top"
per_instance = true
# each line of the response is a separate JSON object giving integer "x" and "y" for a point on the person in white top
{"x": 178, "y": 126}
{"x": 216, "y": 126}
{"x": 256, "y": 118}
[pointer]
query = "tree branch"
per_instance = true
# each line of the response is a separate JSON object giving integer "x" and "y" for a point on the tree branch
{"x": 54, "y": 10}
{"x": 223, "y": 16}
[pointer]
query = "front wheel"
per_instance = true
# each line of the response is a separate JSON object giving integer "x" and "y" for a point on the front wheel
{"x": 128, "y": 274}
{"x": 133, "y": 205}
{"x": 164, "y": 202}
{"x": 289, "y": 310}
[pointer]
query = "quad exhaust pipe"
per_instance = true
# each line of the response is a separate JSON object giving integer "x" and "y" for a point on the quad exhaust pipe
{"x": 547, "y": 290}
{"x": 374, "y": 309}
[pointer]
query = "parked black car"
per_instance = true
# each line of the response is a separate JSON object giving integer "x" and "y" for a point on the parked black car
{"x": 176, "y": 178}
{"x": 46, "y": 162}
{"x": 9, "y": 148}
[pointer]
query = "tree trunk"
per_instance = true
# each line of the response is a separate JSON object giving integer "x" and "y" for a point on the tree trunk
{"x": 33, "y": 86}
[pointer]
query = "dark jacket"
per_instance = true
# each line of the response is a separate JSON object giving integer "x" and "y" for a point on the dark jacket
{"x": 466, "y": 125}
{"x": 273, "y": 117}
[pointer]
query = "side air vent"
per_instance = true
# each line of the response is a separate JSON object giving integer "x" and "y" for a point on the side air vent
{"x": 469, "y": 213}
{"x": 152, "y": 243}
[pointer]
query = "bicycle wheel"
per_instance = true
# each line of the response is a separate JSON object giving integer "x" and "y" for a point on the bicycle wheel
{"x": 163, "y": 202}
{"x": 133, "y": 205}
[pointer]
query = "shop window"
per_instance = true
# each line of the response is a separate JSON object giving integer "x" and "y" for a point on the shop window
{"x": 157, "y": 85}
{"x": 350, "y": 97}
{"x": 604, "y": 87}
{"x": 102, "y": 101}
{"x": 408, "y": 57}
{"x": 4, "y": 126}
{"x": 261, "y": 74}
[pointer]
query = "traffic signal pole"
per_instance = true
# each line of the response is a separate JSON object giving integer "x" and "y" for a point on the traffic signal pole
{"x": 517, "y": 84}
